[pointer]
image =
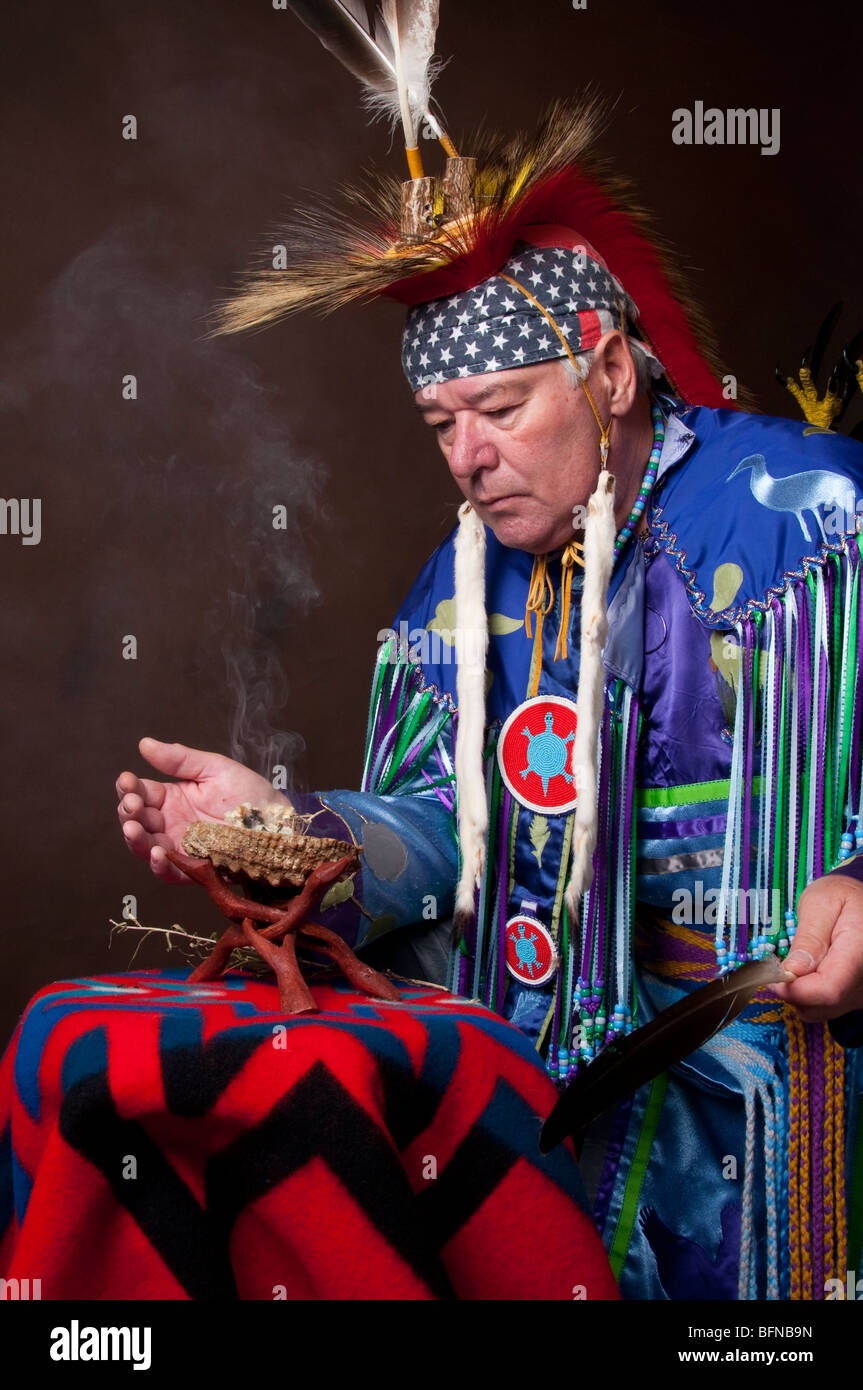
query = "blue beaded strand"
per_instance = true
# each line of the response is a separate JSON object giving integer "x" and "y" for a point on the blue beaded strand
{"x": 627, "y": 531}
{"x": 592, "y": 1028}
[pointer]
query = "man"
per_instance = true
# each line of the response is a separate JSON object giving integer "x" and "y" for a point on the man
{"x": 711, "y": 783}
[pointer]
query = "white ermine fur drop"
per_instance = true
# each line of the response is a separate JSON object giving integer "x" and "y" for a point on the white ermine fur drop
{"x": 599, "y": 538}
{"x": 471, "y": 637}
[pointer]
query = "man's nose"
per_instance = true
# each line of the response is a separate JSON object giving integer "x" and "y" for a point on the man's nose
{"x": 470, "y": 448}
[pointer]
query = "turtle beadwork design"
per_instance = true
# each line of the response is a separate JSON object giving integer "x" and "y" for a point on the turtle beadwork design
{"x": 547, "y": 723}
{"x": 531, "y": 956}
{"x": 525, "y": 948}
{"x": 547, "y": 753}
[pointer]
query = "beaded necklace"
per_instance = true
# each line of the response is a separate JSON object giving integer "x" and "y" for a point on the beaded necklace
{"x": 627, "y": 531}
{"x": 605, "y": 948}
{"x": 540, "y": 598}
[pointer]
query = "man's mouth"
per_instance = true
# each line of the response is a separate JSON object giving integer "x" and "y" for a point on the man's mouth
{"x": 492, "y": 502}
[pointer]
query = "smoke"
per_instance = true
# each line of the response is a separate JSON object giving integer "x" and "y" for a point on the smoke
{"x": 161, "y": 458}
{"x": 171, "y": 484}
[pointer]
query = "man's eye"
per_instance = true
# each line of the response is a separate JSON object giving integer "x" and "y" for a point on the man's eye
{"x": 441, "y": 425}
{"x": 503, "y": 410}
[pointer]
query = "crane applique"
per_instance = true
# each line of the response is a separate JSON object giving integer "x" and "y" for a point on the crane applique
{"x": 811, "y": 491}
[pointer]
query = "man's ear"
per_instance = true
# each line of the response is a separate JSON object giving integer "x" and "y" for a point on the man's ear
{"x": 613, "y": 359}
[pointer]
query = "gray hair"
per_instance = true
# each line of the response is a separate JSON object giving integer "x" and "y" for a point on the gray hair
{"x": 646, "y": 368}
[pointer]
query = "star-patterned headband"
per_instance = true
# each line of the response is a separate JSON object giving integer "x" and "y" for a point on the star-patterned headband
{"x": 495, "y": 326}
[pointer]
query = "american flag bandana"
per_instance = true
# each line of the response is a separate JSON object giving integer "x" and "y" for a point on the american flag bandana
{"x": 495, "y": 326}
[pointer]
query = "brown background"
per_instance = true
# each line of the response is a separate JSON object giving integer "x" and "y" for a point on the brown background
{"x": 156, "y": 514}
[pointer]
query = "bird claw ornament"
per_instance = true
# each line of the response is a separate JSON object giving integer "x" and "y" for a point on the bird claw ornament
{"x": 825, "y": 411}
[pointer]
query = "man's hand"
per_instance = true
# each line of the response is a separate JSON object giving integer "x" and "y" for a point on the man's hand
{"x": 155, "y": 815}
{"x": 827, "y": 953}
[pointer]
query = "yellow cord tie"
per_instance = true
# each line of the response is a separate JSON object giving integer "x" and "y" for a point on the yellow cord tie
{"x": 604, "y": 430}
{"x": 573, "y": 555}
{"x": 536, "y": 594}
{"x": 540, "y": 595}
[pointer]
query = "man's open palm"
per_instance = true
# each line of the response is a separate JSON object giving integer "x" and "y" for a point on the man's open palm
{"x": 155, "y": 815}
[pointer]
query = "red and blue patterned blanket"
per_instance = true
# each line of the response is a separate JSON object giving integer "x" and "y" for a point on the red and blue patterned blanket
{"x": 168, "y": 1141}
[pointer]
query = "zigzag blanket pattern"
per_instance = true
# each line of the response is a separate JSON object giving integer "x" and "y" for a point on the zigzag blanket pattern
{"x": 166, "y": 1141}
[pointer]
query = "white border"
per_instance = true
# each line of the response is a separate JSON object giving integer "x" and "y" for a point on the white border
{"x": 517, "y": 792}
{"x": 555, "y": 958}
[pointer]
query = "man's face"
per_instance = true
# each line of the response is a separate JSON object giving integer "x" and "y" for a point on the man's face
{"x": 523, "y": 446}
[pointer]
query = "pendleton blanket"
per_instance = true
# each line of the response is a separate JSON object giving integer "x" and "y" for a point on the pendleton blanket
{"x": 168, "y": 1141}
